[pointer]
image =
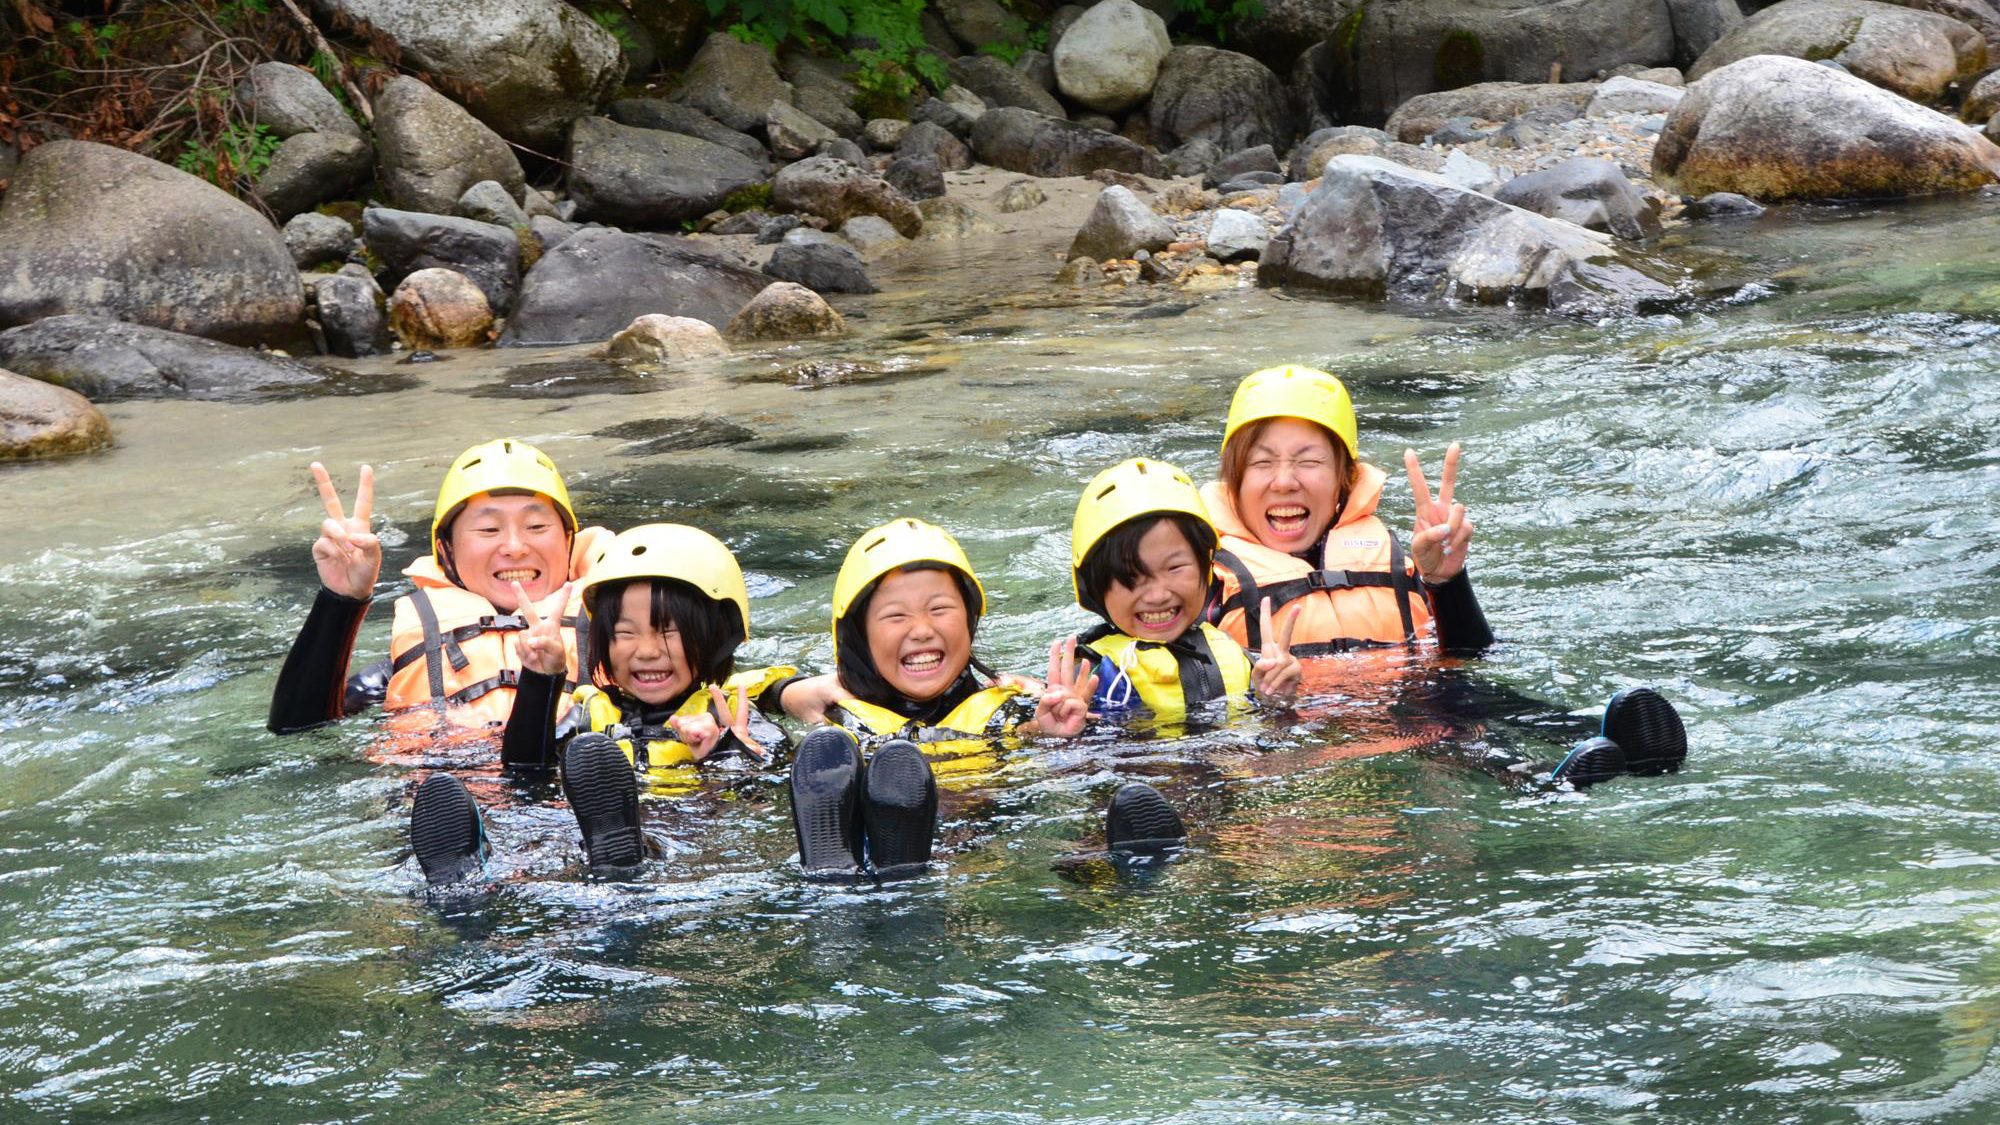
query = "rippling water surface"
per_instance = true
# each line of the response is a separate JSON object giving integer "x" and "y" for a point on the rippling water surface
{"x": 1776, "y": 505}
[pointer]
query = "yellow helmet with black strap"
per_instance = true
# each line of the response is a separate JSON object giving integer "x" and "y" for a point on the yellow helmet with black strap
{"x": 892, "y": 546}
{"x": 1293, "y": 391}
{"x": 502, "y": 466}
{"x": 1126, "y": 491}
{"x": 674, "y": 552}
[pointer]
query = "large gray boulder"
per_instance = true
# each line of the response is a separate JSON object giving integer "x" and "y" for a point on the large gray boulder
{"x": 40, "y": 420}
{"x": 1109, "y": 58}
{"x": 1777, "y": 128}
{"x": 837, "y": 191}
{"x": 1378, "y": 229}
{"x": 315, "y": 239}
{"x": 1916, "y": 54}
{"x": 310, "y": 168}
{"x": 1211, "y": 94}
{"x": 928, "y": 139}
{"x": 1590, "y": 192}
{"x": 1980, "y": 15}
{"x": 598, "y": 281}
{"x": 86, "y": 228}
{"x": 289, "y": 100}
{"x": 528, "y": 67}
{"x": 821, "y": 90}
{"x": 351, "y": 314}
{"x": 1119, "y": 226}
{"x": 650, "y": 178}
{"x": 1384, "y": 52}
{"x": 488, "y": 202}
{"x": 1487, "y": 101}
{"x": 1021, "y": 140}
{"x": 1698, "y": 24}
{"x": 1003, "y": 86}
{"x": 793, "y": 133}
{"x": 431, "y": 150}
{"x": 734, "y": 82}
{"x": 407, "y": 241}
{"x": 106, "y": 360}
{"x": 672, "y": 117}
{"x": 978, "y": 23}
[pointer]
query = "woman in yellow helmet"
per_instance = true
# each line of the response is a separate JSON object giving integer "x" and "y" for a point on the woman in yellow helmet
{"x": 502, "y": 529}
{"x": 1296, "y": 511}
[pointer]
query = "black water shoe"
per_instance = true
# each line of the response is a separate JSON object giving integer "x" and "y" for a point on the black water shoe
{"x": 1589, "y": 762}
{"x": 603, "y": 792}
{"x": 445, "y": 831}
{"x": 1648, "y": 729}
{"x": 899, "y": 810}
{"x": 1141, "y": 822}
{"x": 826, "y": 797}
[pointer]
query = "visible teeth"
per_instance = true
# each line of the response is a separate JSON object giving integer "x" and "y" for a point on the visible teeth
{"x": 923, "y": 661}
{"x": 515, "y": 575}
{"x": 1158, "y": 616}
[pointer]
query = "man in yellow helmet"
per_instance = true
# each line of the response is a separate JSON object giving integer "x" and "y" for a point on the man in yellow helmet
{"x": 503, "y": 517}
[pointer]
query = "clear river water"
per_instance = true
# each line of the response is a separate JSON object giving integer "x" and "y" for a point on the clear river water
{"x": 1776, "y": 504}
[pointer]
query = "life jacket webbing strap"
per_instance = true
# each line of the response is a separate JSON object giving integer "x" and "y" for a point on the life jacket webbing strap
{"x": 580, "y": 629}
{"x": 1246, "y": 595}
{"x": 454, "y": 637}
{"x": 1201, "y": 675}
{"x": 433, "y": 647}
{"x": 1401, "y": 582}
{"x": 506, "y": 678}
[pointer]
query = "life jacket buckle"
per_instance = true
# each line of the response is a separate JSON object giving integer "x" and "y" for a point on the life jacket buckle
{"x": 503, "y": 621}
{"x": 1327, "y": 580}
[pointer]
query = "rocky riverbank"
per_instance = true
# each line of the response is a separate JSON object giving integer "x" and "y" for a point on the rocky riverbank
{"x": 720, "y": 206}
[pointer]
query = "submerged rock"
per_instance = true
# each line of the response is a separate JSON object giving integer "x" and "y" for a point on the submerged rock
{"x": 1776, "y": 128}
{"x": 39, "y": 420}
{"x": 655, "y": 338}
{"x": 782, "y": 310}
{"x": 107, "y": 360}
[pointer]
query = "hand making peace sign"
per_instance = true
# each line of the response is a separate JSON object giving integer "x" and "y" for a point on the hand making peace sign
{"x": 1064, "y": 705}
{"x": 703, "y": 735}
{"x": 1442, "y": 530}
{"x": 1278, "y": 672}
{"x": 348, "y": 554}
{"x": 540, "y": 645}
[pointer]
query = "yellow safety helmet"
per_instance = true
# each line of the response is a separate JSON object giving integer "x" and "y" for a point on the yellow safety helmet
{"x": 894, "y": 545}
{"x": 671, "y": 551}
{"x": 1292, "y": 391}
{"x": 1122, "y": 492}
{"x": 498, "y": 466}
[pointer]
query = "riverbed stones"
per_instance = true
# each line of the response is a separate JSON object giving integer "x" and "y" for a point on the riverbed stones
{"x": 821, "y": 90}
{"x": 1003, "y": 86}
{"x": 979, "y": 23}
{"x": 1378, "y": 229}
{"x": 351, "y": 315}
{"x": 823, "y": 265}
{"x": 107, "y": 360}
{"x": 1020, "y": 140}
{"x": 1235, "y": 236}
{"x": 315, "y": 239}
{"x": 1119, "y": 226}
{"x": 1486, "y": 101}
{"x": 1592, "y": 193}
{"x": 1321, "y": 145}
{"x": 86, "y": 228}
{"x": 657, "y": 338}
{"x": 1080, "y": 272}
{"x": 1775, "y": 128}
{"x": 648, "y": 177}
{"x": 1982, "y": 101}
{"x": 783, "y": 310}
{"x": 1021, "y": 195}
{"x": 946, "y": 219}
{"x": 1218, "y": 95}
{"x": 1916, "y": 54}
{"x": 439, "y": 308}
{"x": 310, "y": 168}
{"x": 1630, "y": 95}
{"x": 837, "y": 191}
{"x": 872, "y": 236}
{"x": 883, "y": 134}
{"x": 289, "y": 100}
{"x": 1237, "y": 165}
{"x": 40, "y": 420}
{"x": 1698, "y": 24}
{"x": 917, "y": 177}
{"x": 1109, "y": 58}
{"x": 600, "y": 280}
{"x": 528, "y": 67}
{"x": 488, "y": 202}
{"x": 927, "y": 138}
{"x": 1722, "y": 205}
{"x": 793, "y": 134}
{"x": 672, "y": 117}
{"x": 431, "y": 150}
{"x": 410, "y": 241}
{"x": 734, "y": 82}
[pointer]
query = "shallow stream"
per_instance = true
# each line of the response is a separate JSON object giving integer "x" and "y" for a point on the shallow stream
{"x": 1778, "y": 506}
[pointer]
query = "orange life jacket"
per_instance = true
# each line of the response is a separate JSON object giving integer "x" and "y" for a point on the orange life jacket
{"x": 452, "y": 652}
{"x": 1363, "y": 592}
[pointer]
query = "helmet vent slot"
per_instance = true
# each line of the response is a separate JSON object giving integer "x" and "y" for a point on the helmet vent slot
{"x": 639, "y": 550}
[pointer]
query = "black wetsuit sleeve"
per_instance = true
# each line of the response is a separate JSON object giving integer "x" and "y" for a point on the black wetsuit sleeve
{"x": 312, "y": 685}
{"x": 771, "y": 701}
{"x": 529, "y": 741}
{"x": 1461, "y": 624}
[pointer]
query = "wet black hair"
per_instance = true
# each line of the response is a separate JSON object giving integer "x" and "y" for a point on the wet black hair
{"x": 710, "y": 630}
{"x": 855, "y": 665}
{"x": 1115, "y": 557}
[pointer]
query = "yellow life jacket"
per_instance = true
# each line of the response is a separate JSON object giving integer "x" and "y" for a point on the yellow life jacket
{"x": 1365, "y": 591}
{"x": 452, "y": 652}
{"x": 965, "y": 742}
{"x": 666, "y": 765}
{"x": 1204, "y": 665}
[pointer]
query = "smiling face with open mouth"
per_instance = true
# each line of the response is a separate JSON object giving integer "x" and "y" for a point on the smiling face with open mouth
{"x": 1291, "y": 485}
{"x": 647, "y": 659}
{"x": 498, "y": 540}
{"x": 1167, "y": 597}
{"x": 918, "y": 632}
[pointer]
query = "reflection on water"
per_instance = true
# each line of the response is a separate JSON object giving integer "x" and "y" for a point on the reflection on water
{"x": 1777, "y": 506}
